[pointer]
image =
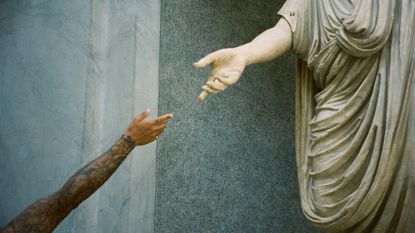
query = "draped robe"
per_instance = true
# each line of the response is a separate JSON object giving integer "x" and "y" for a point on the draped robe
{"x": 355, "y": 128}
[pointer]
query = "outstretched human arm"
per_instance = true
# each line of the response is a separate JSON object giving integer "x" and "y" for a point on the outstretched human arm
{"x": 229, "y": 64}
{"x": 45, "y": 214}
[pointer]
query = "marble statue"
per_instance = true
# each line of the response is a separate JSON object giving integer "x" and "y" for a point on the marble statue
{"x": 355, "y": 120}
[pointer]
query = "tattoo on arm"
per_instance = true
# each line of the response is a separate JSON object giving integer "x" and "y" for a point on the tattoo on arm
{"x": 128, "y": 140}
{"x": 45, "y": 214}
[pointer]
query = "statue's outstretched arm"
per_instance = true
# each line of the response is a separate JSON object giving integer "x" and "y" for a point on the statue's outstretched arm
{"x": 229, "y": 64}
{"x": 45, "y": 214}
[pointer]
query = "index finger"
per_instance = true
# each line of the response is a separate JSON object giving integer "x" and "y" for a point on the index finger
{"x": 205, "y": 61}
{"x": 162, "y": 119}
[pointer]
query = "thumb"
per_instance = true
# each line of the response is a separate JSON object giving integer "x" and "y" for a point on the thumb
{"x": 205, "y": 61}
{"x": 143, "y": 115}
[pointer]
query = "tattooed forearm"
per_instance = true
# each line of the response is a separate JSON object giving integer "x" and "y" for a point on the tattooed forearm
{"x": 87, "y": 180}
{"x": 45, "y": 214}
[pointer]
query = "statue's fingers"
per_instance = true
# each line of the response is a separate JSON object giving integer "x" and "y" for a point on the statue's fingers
{"x": 209, "y": 90}
{"x": 228, "y": 81}
{"x": 205, "y": 61}
{"x": 203, "y": 96}
{"x": 211, "y": 77}
{"x": 216, "y": 85}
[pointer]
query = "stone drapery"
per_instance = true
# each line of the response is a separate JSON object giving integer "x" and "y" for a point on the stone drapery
{"x": 355, "y": 130}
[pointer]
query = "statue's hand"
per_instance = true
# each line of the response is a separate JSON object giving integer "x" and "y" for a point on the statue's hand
{"x": 227, "y": 68}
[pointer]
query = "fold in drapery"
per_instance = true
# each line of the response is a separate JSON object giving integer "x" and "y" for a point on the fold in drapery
{"x": 367, "y": 29}
{"x": 354, "y": 126}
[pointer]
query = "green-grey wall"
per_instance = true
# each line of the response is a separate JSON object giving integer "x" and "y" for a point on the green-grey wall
{"x": 72, "y": 75}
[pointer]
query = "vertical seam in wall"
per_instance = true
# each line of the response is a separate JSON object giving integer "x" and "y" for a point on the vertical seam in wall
{"x": 146, "y": 93}
{"x": 159, "y": 110}
{"x": 94, "y": 103}
{"x": 132, "y": 113}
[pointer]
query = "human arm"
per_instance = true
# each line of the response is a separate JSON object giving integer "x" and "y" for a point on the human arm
{"x": 229, "y": 64}
{"x": 45, "y": 214}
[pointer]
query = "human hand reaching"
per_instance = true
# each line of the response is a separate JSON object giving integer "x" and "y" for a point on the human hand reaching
{"x": 141, "y": 131}
{"x": 227, "y": 67}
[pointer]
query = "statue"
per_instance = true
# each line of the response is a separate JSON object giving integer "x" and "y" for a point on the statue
{"x": 355, "y": 121}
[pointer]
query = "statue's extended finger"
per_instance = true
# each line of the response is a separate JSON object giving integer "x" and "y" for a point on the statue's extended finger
{"x": 203, "y": 96}
{"x": 205, "y": 61}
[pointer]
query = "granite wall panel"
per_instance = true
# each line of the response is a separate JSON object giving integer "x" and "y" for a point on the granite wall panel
{"x": 229, "y": 164}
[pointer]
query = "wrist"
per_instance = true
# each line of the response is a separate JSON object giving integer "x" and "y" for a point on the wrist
{"x": 244, "y": 54}
{"x": 128, "y": 141}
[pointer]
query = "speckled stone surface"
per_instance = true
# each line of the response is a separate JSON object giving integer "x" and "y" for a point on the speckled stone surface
{"x": 229, "y": 166}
